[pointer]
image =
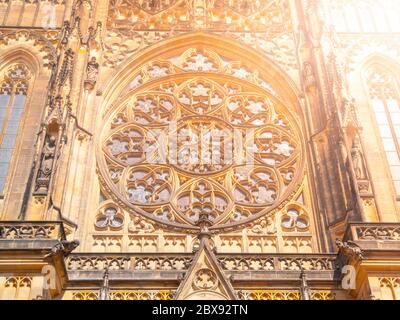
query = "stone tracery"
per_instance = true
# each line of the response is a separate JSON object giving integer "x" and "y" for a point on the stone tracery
{"x": 275, "y": 216}
{"x": 173, "y": 141}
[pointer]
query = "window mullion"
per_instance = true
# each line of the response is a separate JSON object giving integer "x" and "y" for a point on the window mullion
{"x": 391, "y": 125}
{"x": 7, "y": 115}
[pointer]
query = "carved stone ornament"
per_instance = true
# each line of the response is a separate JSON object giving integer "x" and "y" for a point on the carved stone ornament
{"x": 205, "y": 279}
{"x": 138, "y": 225}
{"x": 92, "y": 71}
{"x": 46, "y": 165}
{"x": 169, "y": 147}
{"x": 350, "y": 249}
{"x": 63, "y": 247}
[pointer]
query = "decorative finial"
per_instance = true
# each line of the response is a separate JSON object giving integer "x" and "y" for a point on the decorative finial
{"x": 204, "y": 223}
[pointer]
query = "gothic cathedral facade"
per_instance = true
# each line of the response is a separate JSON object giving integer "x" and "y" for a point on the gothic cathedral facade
{"x": 200, "y": 149}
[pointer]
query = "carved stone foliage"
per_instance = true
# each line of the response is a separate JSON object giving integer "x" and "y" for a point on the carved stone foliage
{"x": 280, "y": 47}
{"x": 199, "y": 60}
{"x": 125, "y": 295}
{"x": 378, "y": 232}
{"x": 188, "y": 14}
{"x": 283, "y": 263}
{"x": 45, "y": 42}
{"x": 247, "y": 263}
{"x": 140, "y": 225}
{"x": 27, "y": 230}
{"x": 309, "y": 264}
{"x": 231, "y": 262}
{"x": 191, "y": 141}
{"x": 33, "y": 1}
{"x": 354, "y": 49}
{"x": 134, "y": 262}
{"x": 15, "y": 80}
{"x": 169, "y": 295}
{"x": 133, "y": 25}
{"x": 205, "y": 279}
{"x": 285, "y": 295}
{"x": 141, "y": 295}
{"x": 269, "y": 295}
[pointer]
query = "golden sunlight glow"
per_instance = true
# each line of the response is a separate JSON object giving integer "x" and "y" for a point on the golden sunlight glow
{"x": 363, "y": 15}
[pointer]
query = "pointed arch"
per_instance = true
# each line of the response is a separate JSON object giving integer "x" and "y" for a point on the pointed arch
{"x": 21, "y": 55}
{"x": 382, "y": 86}
{"x": 20, "y": 118}
{"x": 379, "y": 58}
{"x": 230, "y": 49}
{"x": 15, "y": 80}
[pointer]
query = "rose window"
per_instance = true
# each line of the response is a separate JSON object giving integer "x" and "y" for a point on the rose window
{"x": 194, "y": 144}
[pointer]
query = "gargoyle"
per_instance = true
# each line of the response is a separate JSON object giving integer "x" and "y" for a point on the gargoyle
{"x": 64, "y": 247}
{"x": 350, "y": 249}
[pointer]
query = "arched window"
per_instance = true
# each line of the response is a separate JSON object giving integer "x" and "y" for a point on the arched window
{"x": 362, "y": 15}
{"x": 385, "y": 99}
{"x": 13, "y": 92}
